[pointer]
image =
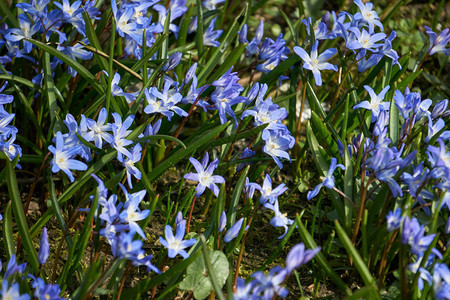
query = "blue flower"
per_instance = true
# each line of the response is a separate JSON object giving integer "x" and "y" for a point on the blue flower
{"x": 205, "y": 176}
{"x": 120, "y": 132}
{"x": 327, "y": 181}
{"x": 267, "y": 193}
{"x": 123, "y": 246}
{"x": 243, "y": 291}
{"x": 73, "y": 14}
{"x": 98, "y": 130}
{"x": 438, "y": 42}
{"x": 12, "y": 292}
{"x": 43, "y": 291}
{"x": 280, "y": 219}
{"x": 176, "y": 244}
{"x": 163, "y": 103}
{"x": 116, "y": 90}
{"x": 276, "y": 145}
{"x": 44, "y": 248}
{"x": 376, "y": 102}
{"x": 424, "y": 273}
{"x": 131, "y": 213}
{"x": 222, "y": 221}
{"x": 267, "y": 286}
{"x": 62, "y": 159}
{"x": 26, "y": 31}
{"x": 234, "y": 230}
{"x": 173, "y": 61}
{"x": 298, "y": 256}
{"x": 129, "y": 162}
{"x": 368, "y": 15}
{"x": 75, "y": 52}
{"x": 13, "y": 267}
{"x": 210, "y": 35}
{"x": 315, "y": 62}
{"x": 394, "y": 219}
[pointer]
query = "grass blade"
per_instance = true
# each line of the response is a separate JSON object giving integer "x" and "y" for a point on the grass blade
{"x": 70, "y": 62}
{"x": 309, "y": 241}
{"x": 19, "y": 216}
{"x": 353, "y": 253}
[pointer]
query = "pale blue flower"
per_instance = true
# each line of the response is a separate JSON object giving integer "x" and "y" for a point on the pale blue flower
{"x": 315, "y": 62}
{"x": 176, "y": 244}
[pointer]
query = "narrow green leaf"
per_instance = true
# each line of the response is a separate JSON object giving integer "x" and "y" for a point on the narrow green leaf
{"x": 318, "y": 126}
{"x": 20, "y": 80}
{"x": 320, "y": 161}
{"x": 19, "y": 216}
{"x": 93, "y": 40}
{"x": 232, "y": 210}
{"x": 229, "y": 61}
{"x": 147, "y": 284}
{"x": 348, "y": 186}
{"x": 351, "y": 250}
{"x": 291, "y": 27}
{"x": 309, "y": 241}
{"x": 393, "y": 123}
{"x": 200, "y": 21}
{"x": 110, "y": 155}
{"x": 7, "y": 231}
{"x": 51, "y": 96}
{"x": 70, "y": 62}
{"x": 144, "y": 179}
{"x": 272, "y": 77}
{"x": 219, "y": 51}
{"x": 176, "y": 157}
{"x": 211, "y": 271}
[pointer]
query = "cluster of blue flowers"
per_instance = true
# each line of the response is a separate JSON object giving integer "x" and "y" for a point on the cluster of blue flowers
{"x": 17, "y": 277}
{"x": 269, "y": 53}
{"x": 268, "y": 286}
{"x": 358, "y": 32}
{"x": 8, "y": 132}
{"x": 423, "y": 179}
{"x": 68, "y": 145}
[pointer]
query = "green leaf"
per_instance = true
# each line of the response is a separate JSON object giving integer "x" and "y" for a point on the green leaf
{"x": 353, "y": 253}
{"x": 309, "y": 241}
{"x": 320, "y": 161}
{"x": 219, "y": 51}
{"x": 200, "y": 273}
{"x": 393, "y": 123}
{"x": 7, "y": 231}
{"x": 51, "y": 94}
{"x": 161, "y": 137}
{"x": 19, "y": 216}
{"x": 146, "y": 284}
{"x": 181, "y": 154}
{"x": 236, "y": 196}
{"x": 70, "y": 62}
{"x": 20, "y": 80}
{"x": 110, "y": 155}
{"x": 93, "y": 40}
{"x": 323, "y": 136}
{"x": 229, "y": 61}
{"x": 200, "y": 21}
{"x": 279, "y": 70}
